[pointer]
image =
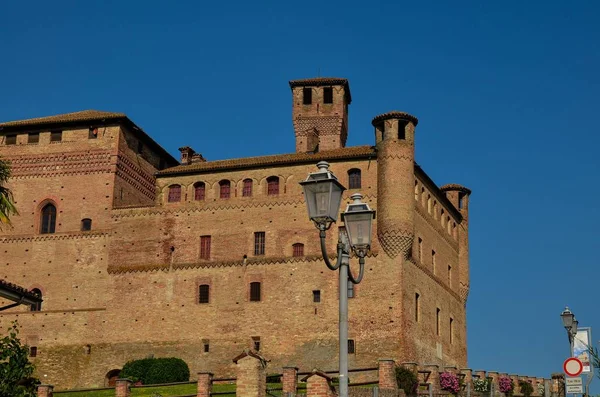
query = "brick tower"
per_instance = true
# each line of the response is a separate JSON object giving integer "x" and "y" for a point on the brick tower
{"x": 320, "y": 113}
{"x": 395, "y": 143}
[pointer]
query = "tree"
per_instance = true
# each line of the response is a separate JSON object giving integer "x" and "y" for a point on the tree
{"x": 7, "y": 206}
{"x": 16, "y": 371}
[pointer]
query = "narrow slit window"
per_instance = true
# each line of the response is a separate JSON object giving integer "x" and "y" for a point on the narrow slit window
{"x": 204, "y": 293}
{"x": 328, "y": 95}
{"x": 33, "y": 137}
{"x": 259, "y": 243}
{"x": 224, "y": 189}
{"x": 420, "y": 249}
{"x": 205, "y": 245}
{"x": 417, "y": 296}
{"x": 307, "y": 96}
{"x": 451, "y": 329}
{"x": 56, "y": 136}
{"x": 433, "y": 261}
{"x": 174, "y": 194}
{"x": 206, "y": 344}
{"x": 351, "y": 346}
{"x": 437, "y": 321}
{"x": 247, "y": 189}
{"x": 298, "y": 249}
{"x": 86, "y": 225}
{"x": 449, "y": 275}
{"x": 255, "y": 292}
{"x": 317, "y": 296}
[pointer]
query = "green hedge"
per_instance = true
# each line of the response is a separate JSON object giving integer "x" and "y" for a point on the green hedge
{"x": 151, "y": 371}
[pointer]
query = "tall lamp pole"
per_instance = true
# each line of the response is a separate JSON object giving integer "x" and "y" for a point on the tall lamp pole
{"x": 570, "y": 323}
{"x": 323, "y": 195}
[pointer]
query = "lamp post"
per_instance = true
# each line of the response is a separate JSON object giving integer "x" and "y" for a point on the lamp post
{"x": 570, "y": 323}
{"x": 323, "y": 195}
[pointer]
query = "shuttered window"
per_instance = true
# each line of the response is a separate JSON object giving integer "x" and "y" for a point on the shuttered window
{"x": 259, "y": 243}
{"x": 204, "y": 293}
{"x": 174, "y": 194}
{"x": 205, "y": 242}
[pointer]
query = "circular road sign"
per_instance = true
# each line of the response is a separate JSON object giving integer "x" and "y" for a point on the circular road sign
{"x": 573, "y": 366}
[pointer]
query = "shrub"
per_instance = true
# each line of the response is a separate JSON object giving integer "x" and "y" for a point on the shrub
{"x": 526, "y": 388}
{"x": 407, "y": 380}
{"x": 541, "y": 389}
{"x": 481, "y": 385}
{"x": 506, "y": 386}
{"x": 151, "y": 371}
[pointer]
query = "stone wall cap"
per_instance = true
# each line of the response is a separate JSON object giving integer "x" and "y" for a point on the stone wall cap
{"x": 409, "y": 362}
{"x": 431, "y": 365}
{"x": 395, "y": 114}
{"x": 250, "y": 353}
{"x": 386, "y": 359}
{"x": 205, "y": 373}
{"x": 318, "y": 373}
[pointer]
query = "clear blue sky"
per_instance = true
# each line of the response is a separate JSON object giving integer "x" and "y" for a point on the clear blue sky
{"x": 507, "y": 94}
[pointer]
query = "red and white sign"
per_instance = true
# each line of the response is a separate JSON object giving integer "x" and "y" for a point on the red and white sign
{"x": 573, "y": 366}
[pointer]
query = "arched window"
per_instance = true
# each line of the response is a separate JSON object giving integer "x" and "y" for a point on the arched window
{"x": 247, "y": 189}
{"x": 111, "y": 377}
{"x": 199, "y": 191}
{"x": 86, "y": 225}
{"x": 174, "y": 193}
{"x": 37, "y": 306}
{"x": 255, "y": 291}
{"x": 298, "y": 249}
{"x": 48, "y": 221}
{"x": 273, "y": 185}
{"x": 354, "y": 178}
{"x": 224, "y": 189}
{"x": 204, "y": 293}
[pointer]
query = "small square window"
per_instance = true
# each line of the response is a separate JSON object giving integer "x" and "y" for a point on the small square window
{"x": 11, "y": 139}
{"x": 256, "y": 342}
{"x": 33, "y": 137}
{"x": 317, "y": 296}
{"x": 56, "y": 136}
{"x": 93, "y": 133}
{"x": 86, "y": 225}
{"x": 351, "y": 346}
{"x": 206, "y": 346}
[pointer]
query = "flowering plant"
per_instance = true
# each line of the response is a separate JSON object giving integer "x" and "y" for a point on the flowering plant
{"x": 481, "y": 385}
{"x": 449, "y": 382}
{"x": 505, "y": 384}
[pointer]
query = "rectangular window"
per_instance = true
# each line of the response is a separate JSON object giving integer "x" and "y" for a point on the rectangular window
{"x": 256, "y": 342}
{"x": 317, "y": 296}
{"x": 255, "y": 292}
{"x": 307, "y": 96}
{"x": 449, "y": 275}
{"x": 259, "y": 243}
{"x": 451, "y": 326}
{"x": 33, "y": 351}
{"x": 433, "y": 261}
{"x": 11, "y": 139}
{"x": 93, "y": 133}
{"x": 33, "y": 137}
{"x": 205, "y": 247}
{"x": 298, "y": 249}
{"x": 351, "y": 346}
{"x": 206, "y": 344}
{"x": 417, "y": 296}
{"x": 204, "y": 293}
{"x": 420, "y": 252}
{"x": 328, "y": 95}
{"x": 437, "y": 321}
{"x": 56, "y": 136}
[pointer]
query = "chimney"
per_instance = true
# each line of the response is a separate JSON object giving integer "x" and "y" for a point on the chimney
{"x": 186, "y": 155}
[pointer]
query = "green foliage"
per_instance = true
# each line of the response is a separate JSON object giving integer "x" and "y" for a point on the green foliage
{"x": 407, "y": 380}
{"x": 7, "y": 206}
{"x": 16, "y": 371}
{"x": 595, "y": 359}
{"x": 526, "y": 388}
{"x": 152, "y": 371}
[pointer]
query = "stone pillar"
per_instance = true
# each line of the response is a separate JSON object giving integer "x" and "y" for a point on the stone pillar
{"x": 479, "y": 374}
{"x": 467, "y": 375}
{"x": 123, "y": 388}
{"x": 494, "y": 376}
{"x": 450, "y": 368}
{"x": 251, "y": 375}
{"x": 45, "y": 390}
{"x": 515, "y": 381}
{"x": 204, "y": 384}
{"x": 290, "y": 380}
{"x": 318, "y": 384}
{"x": 387, "y": 374}
{"x": 434, "y": 377}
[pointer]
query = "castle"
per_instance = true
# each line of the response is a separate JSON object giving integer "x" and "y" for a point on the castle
{"x": 135, "y": 253}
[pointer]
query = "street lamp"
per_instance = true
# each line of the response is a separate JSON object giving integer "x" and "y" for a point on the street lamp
{"x": 570, "y": 323}
{"x": 323, "y": 195}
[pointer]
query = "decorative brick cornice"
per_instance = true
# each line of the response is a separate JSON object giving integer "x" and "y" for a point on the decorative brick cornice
{"x": 122, "y": 269}
{"x": 56, "y": 164}
{"x": 136, "y": 176}
{"x": 428, "y": 272}
{"x": 53, "y": 236}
